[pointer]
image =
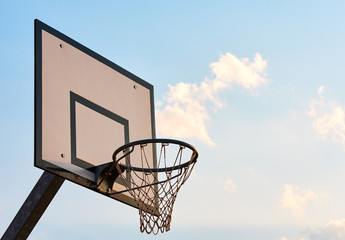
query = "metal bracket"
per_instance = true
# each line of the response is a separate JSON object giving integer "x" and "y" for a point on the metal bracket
{"x": 105, "y": 176}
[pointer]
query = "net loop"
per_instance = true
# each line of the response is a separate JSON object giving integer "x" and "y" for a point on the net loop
{"x": 154, "y": 187}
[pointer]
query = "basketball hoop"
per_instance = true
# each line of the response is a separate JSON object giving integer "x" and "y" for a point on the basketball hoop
{"x": 153, "y": 188}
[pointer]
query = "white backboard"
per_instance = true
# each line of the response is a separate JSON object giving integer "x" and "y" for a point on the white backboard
{"x": 85, "y": 108}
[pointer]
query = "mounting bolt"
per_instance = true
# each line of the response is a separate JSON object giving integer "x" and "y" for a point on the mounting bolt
{"x": 62, "y": 155}
{"x": 135, "y": 86}
{"x": 60, "y": 45}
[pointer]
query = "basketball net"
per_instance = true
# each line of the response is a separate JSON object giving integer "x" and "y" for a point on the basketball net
{"x": 154, "y": 189}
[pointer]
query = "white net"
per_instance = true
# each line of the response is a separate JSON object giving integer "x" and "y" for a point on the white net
{"x": 154, "y": 187}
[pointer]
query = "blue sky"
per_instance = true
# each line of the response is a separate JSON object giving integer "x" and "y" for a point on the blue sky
{"x": 258, "y": 84}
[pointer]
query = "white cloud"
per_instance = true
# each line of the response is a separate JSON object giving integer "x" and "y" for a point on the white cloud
{"x": 334, "y": 230}
{"x": 185, "y": 110}
{"x": 229, "y": 69}
{"x": 230, "y": 186}
{"x": 284, "y": 238}
{"x": 184, "y": 114}
{"x": 295, "y": 199}
{"x": 321, "y": 90}
{"x": 328, "y": 118}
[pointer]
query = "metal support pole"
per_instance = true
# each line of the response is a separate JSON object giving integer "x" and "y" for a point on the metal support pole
{"x": 34, "y": 206}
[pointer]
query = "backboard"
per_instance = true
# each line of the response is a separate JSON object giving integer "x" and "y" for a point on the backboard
{"x": 85, "y": 107}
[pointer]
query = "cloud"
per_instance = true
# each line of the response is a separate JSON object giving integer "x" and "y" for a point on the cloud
{"x": 186, "y": 106}
{"x": 284, "y": 238}
{"x": 321, "y": 90}
{"x": 295, "y": 199}
{"x": 230, "y": 186}
{"x": 334, "y": 230}
{"x": 328, "y": 118}
{"x": 229, "y": 69}
{"x": 184, "y": 115}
